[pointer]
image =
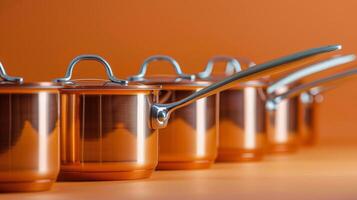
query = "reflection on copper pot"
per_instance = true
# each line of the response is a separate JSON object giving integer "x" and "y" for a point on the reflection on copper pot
{"x": 309, "y": 107}
{"x": 98, "y": 135}
{"x": 29, "y": 149}
{"x": 241, "y": 113}
{"x": 190, "y": 139}
{"x": 242, "y": 124}
{"x": 282, "y": 126}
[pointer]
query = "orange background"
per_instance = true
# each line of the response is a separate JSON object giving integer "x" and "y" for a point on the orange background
{"x": 39, "y": 38}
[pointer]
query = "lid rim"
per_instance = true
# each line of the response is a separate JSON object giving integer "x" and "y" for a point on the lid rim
{"x": 29, "y": 85}
{"x": 104, "y": 84}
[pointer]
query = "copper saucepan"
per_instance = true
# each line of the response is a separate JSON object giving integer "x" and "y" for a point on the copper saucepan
{"x": 309, "y": 98}
{"x": 241, "y": 113}
{"x": 29, "y": 134}
{"x": 189, "y": 141}
{"x": 109, "y": 128}
{"x": 282, "y": 125}
{"x": 309, "y": 103}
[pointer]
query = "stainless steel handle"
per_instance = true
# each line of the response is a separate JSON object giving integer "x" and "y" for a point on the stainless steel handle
{"x": 323, "y": 82}
{"x": 309, "y": 70}
{"x": 309, "y": 96}
{"x": 97, "y": 58}
{"x": 233, "y": 65}
{"x": 6, "y": 77}
{"x": 320, "y": 89}
{"x": 160, "y": 113}
{"x": 169, "y": 59}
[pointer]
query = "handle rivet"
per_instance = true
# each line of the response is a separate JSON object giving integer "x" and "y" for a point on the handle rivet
{"x": 161, "y": 116}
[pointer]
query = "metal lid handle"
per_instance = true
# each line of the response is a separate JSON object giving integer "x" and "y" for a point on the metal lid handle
{"x": 232, "y": 65}
{"x": 6, "y": 77}
{"x": 169, "y": 59}
{"x": 97, "y": 58}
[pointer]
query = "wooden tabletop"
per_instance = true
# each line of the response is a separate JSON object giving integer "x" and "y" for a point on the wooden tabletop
{"x": 327, "y": 171}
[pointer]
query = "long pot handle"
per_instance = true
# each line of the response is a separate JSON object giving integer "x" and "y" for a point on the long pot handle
{"x": 232, "y": 65}
{"x": 321, "y": 89}
{"x": 160, "y": 113}
{"x": 309, "y": 70}
{"x": 322, "y": 82}
{"x": 97, "y": 58}
{"x": 169, "y": 59}
{"x": 6, "y": 77}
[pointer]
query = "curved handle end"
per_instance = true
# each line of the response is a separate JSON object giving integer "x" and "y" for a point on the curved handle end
{"x": 60, "y": 80}
{"x": 233, "y": 65}
{"x": 6, "y": 77}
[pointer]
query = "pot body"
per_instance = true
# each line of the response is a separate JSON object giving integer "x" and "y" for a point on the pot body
{"x": 309, "y": 105}
{"x": 190, "y": 139}
{"x": 29, "y": 139}
{"x": 107, "y": 136}
{"x": 242, "y": 128}
{"x": 282, "y": 126}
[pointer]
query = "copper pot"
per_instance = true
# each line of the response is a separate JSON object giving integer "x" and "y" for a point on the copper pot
{"x": 309, "y": 102}
{"x": 189, "y": 141}
{"x": 109, "y": 128}
{"x": 241, "y": 113}
{"x": 29, "y": 139}
{"x": 105, "y": 129}
{"x": 311, "y": 95}
{"x": 283, "y": 113}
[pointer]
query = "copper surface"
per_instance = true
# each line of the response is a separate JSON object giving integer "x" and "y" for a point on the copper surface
{"x": 242, "y": 125}
{"x": 190, "y": 139}
{"x": 29, "y": 141}
{"x": 107, "y": 136}
{"x": 307, "y": 122}
{"x": 282, "y": 127}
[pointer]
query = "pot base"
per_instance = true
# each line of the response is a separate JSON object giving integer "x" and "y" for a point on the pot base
{"x": 202, "y": 164}
{"x": 30, "y": 186}
{"x": 240, "y": 155}
{"x": 309, "y": 142}
{"x": 104, "y": 176}
{"x": 282, "y": 148}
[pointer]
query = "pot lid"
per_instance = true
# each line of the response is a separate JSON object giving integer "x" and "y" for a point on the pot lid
{"x": 180, "y": 80}
{"x": 98, "y": 84}
{"x": 233, "y": 65}
{"x": 102, "y": 84}
{"x": 13, "y": 82}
